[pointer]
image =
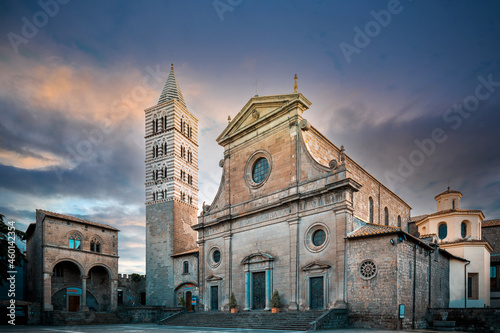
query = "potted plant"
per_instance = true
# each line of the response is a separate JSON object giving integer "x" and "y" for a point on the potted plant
{"x": 233, "y": 304}
{"x": 183, "y": 302}
{"x": 275, "y": 302}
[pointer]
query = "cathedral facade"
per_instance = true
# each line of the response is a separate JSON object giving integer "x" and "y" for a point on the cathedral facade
{"x": 293, "y": 214}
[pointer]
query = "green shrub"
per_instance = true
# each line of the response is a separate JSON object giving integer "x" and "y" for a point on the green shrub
{"x": 275, "y": 300}
{"x": 232, "y": 302}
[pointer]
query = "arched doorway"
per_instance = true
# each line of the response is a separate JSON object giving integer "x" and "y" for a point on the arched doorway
{"x": 66, "y": 282}
{"x": 189, "y": 292}
{"x": 98, "y": 284}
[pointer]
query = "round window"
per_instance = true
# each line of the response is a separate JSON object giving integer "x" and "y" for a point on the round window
{"x": 260, "y": 170}
{"x": 367, "y": 270}
{"x": 216, "y": 256}
{"x": 319, "y": 237}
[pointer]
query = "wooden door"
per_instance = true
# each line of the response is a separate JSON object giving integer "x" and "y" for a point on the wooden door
{"x": 259, "y": 290}
{"x": 73, "y": 303}
{"x": 316, "y": 293}
{"x": 214, "y": 298}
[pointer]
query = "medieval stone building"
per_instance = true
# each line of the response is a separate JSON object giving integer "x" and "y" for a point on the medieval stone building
{"x": 72, "y": 263}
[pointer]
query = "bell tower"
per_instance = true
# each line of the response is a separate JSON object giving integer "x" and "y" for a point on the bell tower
{"x": 171, "y": 189}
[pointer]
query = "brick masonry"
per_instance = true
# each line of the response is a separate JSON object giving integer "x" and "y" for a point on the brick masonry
{"x": 374, "y": 303}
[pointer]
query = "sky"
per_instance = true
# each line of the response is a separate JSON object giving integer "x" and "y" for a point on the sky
{"x": 410, "y": 88}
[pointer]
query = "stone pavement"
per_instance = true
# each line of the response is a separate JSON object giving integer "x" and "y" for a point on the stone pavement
{"x": 153, "y": 328}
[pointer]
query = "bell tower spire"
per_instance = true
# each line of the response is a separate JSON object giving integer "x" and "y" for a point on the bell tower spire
{"x": 171, "y": 90}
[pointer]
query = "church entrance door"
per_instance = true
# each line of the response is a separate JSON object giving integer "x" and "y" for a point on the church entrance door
{"x": 73, "y": 303}
{"x": 214, "y": 298}
{"x": 259, "y": 290}
{"x": 316, "y": 293}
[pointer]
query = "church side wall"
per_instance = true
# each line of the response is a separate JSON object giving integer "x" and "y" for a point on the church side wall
{"x": 440, "y": 280}
{"x": 373, "y": 303}
{"x": 324, "y": 151}
{"x": 412, "y": 269}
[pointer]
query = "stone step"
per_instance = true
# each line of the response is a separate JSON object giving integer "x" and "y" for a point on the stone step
{"x": 298, "y": 321}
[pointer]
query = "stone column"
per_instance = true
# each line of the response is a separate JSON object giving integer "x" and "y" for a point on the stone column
{"x": 201, "y": 275}
{"x": 342, "y": 218}
{"x": 247, "y": 290}
{"x": 227, "y": 272}
{"x": 47, "y": 291}
{"x": 293, "y": 224}
{"x": 83, "y": 305}
{"x": 114, "y": 296}
{"x": 268, "y": 289}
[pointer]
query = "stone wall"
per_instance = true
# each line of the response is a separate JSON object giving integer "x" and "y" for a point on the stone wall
{"x": 374, "y": 303}
{"x": 159, "y": 249}
{"x": 184, "y": 235}
{"x": 131, "y": 290}
{"x": 492, "y": 235}
{"x": 485, "y": 320}
{"x": 146, "y": 314}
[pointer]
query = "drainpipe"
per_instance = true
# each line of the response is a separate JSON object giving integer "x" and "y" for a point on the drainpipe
{"x": 465, "y": 284}
{"x": 414, "y": 285}
{"x": 430, "y": 276}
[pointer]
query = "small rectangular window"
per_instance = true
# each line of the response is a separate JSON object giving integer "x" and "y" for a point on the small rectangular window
{"x": 473, "y": 286}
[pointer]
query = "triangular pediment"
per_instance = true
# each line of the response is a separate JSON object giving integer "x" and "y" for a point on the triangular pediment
{"x": 259, "y": 111}
{"x": 315, "y": 266}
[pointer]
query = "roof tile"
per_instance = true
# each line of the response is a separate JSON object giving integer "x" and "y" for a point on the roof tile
{"x": 76, "y": 219}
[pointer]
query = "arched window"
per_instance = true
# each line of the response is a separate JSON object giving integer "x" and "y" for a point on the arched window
{"x": 164, "y": 172}
{"x": 75, "y": 242}
{"x": 182, "y": 125}
{"x": 463, "y": 229}
{"x": 453, "y": 204}
{"x": 371, "y": 210}
{"x": 164, "y": 149}
{"x": 386, "y": 213}
{"x": 399, "y": 221}
{"x": 186, "y": 267}
{"x": 443, "y": 231}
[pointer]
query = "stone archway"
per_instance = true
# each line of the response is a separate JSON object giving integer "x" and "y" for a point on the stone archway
{"x": 66, "y": 281}
{"x": 98, "y": 283}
